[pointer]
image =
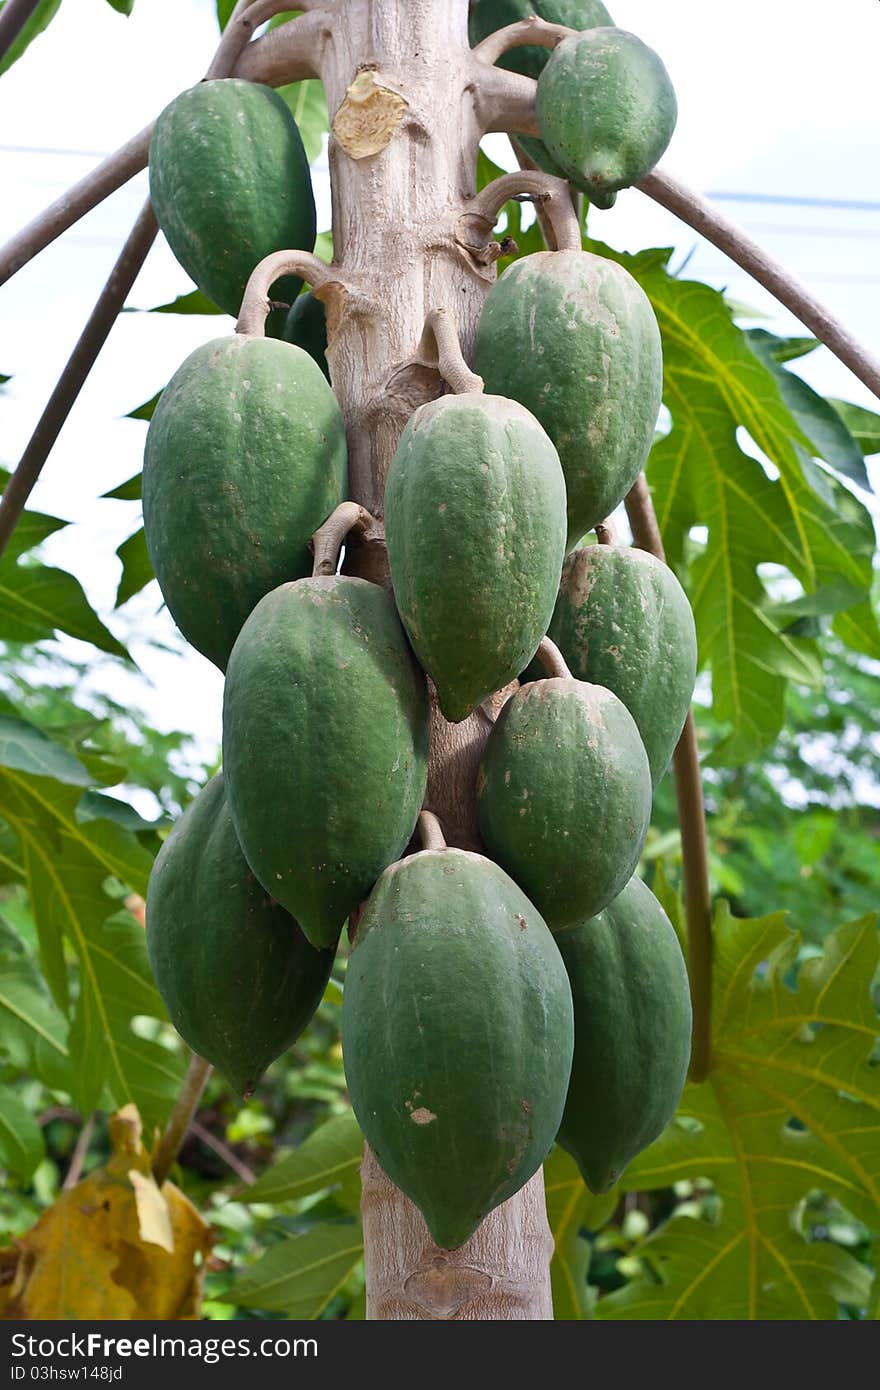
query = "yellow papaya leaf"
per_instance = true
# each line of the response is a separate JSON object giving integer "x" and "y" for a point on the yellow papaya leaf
{"x": 115, "y": 1246}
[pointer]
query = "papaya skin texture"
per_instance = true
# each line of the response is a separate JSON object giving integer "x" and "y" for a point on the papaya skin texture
{"x": 622, "y": 620}
{"x": 564, "y": 796}
{"x": 632, "y": 1021}
{"x": 475, "y": 524}
{"x": 230, "y": 184}
{"x": 325, "y": 745}
{"x": 457, "y": 1036}
{"x": 245, "y": 458}
{"x": 606, "y": 110}
{"x": 574, "y": 339}
{"x": 237, "y": 976}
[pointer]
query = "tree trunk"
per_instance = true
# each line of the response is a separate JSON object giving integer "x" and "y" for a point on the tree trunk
{"x": 405, "y": 130}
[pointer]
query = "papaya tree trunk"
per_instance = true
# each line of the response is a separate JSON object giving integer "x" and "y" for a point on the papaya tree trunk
{"x": 405, "y": 130}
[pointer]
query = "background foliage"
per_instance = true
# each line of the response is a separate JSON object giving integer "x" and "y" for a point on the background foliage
{"x": 761, "y": 1200}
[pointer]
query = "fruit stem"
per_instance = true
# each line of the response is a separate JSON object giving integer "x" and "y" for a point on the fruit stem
{"x": 255, "y": 304}
{"x": 534, "y": 31}
{"x": 181, "y": 1116}
{"x": 692, "y": 821}
{"x": 440, "y": 345}
{"x": 327, "y": 540}
{"x": 606, "y": 532}
{"x": 238, "y": 33}
{"x": 541, "y": 189}
{"x": 552, "y": 660}
{"x": 431, "y": 831}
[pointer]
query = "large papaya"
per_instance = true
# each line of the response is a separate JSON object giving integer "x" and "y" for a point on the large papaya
{"x": 574, "y": 339}
{"x": 245, "y": 457}
{"x": 622, "y": 620}
{"x": 475, "y": 522}
{"x": 325, "y": 745}
{"x": 632, "y": 1033}
{"x": 606, "y": 110}
{"x": 456, "y": 1035}
{"x": 237, "y": 976}
{"x": 230, "y": 184}
{"x": 530, "y": 60}
{"x": 306, "y": 327}
{"x": 564, "y": 796}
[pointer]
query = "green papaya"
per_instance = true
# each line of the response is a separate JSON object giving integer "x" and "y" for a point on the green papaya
{"x": 632, "y": 1033}
{"x": 306, "y": 327}
{"x": 574, "y": 339}
{"x": 325, "y": 745}
{"x": 475, "y": 524}
{"x": 456, "y": 1035}
{"x": 606, "y": 110}
{"x": 530, "y": 60}
{"x": 564, "y": 796}
{"x": 230, "y": 184}
{"x": 245, "y": 458}
{"x": 622, "y": 620}
{"x": 237, "y": 976}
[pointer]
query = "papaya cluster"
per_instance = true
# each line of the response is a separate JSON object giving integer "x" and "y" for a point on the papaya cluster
{"x": 495, "y": 1001}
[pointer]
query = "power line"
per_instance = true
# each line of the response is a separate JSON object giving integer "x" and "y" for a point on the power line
{"x": 794, "y": 200}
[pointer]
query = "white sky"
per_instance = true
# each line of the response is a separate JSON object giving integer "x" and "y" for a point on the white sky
{"x": 773, "y": 99}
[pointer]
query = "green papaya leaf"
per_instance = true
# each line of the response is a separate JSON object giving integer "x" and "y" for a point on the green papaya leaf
{"x": 193, "y": 302}
{"x": 40, "y": 19}
{"x": 792, "y": 1104}
{"x": 21, "y": 1139}
{"x": 122, "y": 6}
{"x": 36, "y": 602}
{"x": 863, "y": 425}
{"x": 329, "y": 1158}
{"x": 137, "y": 571}
{"x": 859, "y": 629}
{"x": 308, "y": 105}
{"x": 33, "y": 1030}
{"x": 299, "y": 1276}
{"x": 143, "y": 412}
{"x": 572, "y": 1210}
{"x": 131, "y": 489}
{"x": 224, "y": 11}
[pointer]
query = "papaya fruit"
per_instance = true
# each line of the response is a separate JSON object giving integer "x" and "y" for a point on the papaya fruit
{"x": 237, "y": 976}
{"x": 632, "y": 1033}
{"x": 530, "y": 60}
{"x": 622, "y": 620}
{"x": 475, "y": 524}
{"x": 456, "y": 1036}
{"x": 306, "y": 327}
{"x": 564, "y": 796}
{"x": 325, "y": 745}
{"x": 606, "y": 110}
{"x": 245, "y": 458}
{"x": 230, "y": 184}
{"x": 574, "y": 339}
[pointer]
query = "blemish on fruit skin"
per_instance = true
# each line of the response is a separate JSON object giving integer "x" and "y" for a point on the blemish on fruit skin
{"x": 523, "y": 924}
{"x": 422, "y": 1116}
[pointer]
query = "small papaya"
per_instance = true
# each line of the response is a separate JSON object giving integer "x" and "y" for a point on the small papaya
{"x": 325, "y": 745}
{"x": 622, "y": 620}
{"x": 237, "y": 976}
{"x": 456, "y": 1036}
{"x": 230, "y": 184}
{"x": 573, "y": 338}
{"x": 245, "y": 458}
{"x": 306, "y": 327}
{"x": 564, "y": 796}
{"x": 606, "y": 110}
{"x": 632, "y": 1033}
{"x": 475, "y": 524}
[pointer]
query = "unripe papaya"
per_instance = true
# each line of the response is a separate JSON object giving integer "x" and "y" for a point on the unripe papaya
{"x": 632, "y": 1033}
{"x": 606, "y": 110}
{"x": 475, "y": 523}
{"x": 488, "y": 15}
{"x": 622, "y": 620}
{"x": 245, "y": 458}
{"x": 306, "y": 327}
{"x": 457, "y": 1036}
{"x": 564, "y": 796}
{"x": 325, "y": 745}
{"x": 237, "y": 976}
{"x": 230, "y": 184}
{"x": 573, "y": 338}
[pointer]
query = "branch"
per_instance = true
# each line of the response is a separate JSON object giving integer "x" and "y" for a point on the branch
{"x": 301, "y": 60}
{"x": 291, "y": 52}
{"x": 552, "y": 660}
{"x": 13, "y": 17}
{"x": 739, "y": 246}
{"x": 239, "y": 32}
{"x": 221, "y": 1149}
{"x": 440, "y": 332}
{"x": 534, "y": 31}
{"x": 546, "y": 192}
{"x": 255, "y": 304}
{"x": 692, "y": 820}
{"x": 80, "y": 363}
{"x": 179, "y": 1120}
{"x": 606, "y": 532}
{"x": 504, "y": 101}
{"x": 327, "y": 540}
{"x": 79, "y": 1155}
